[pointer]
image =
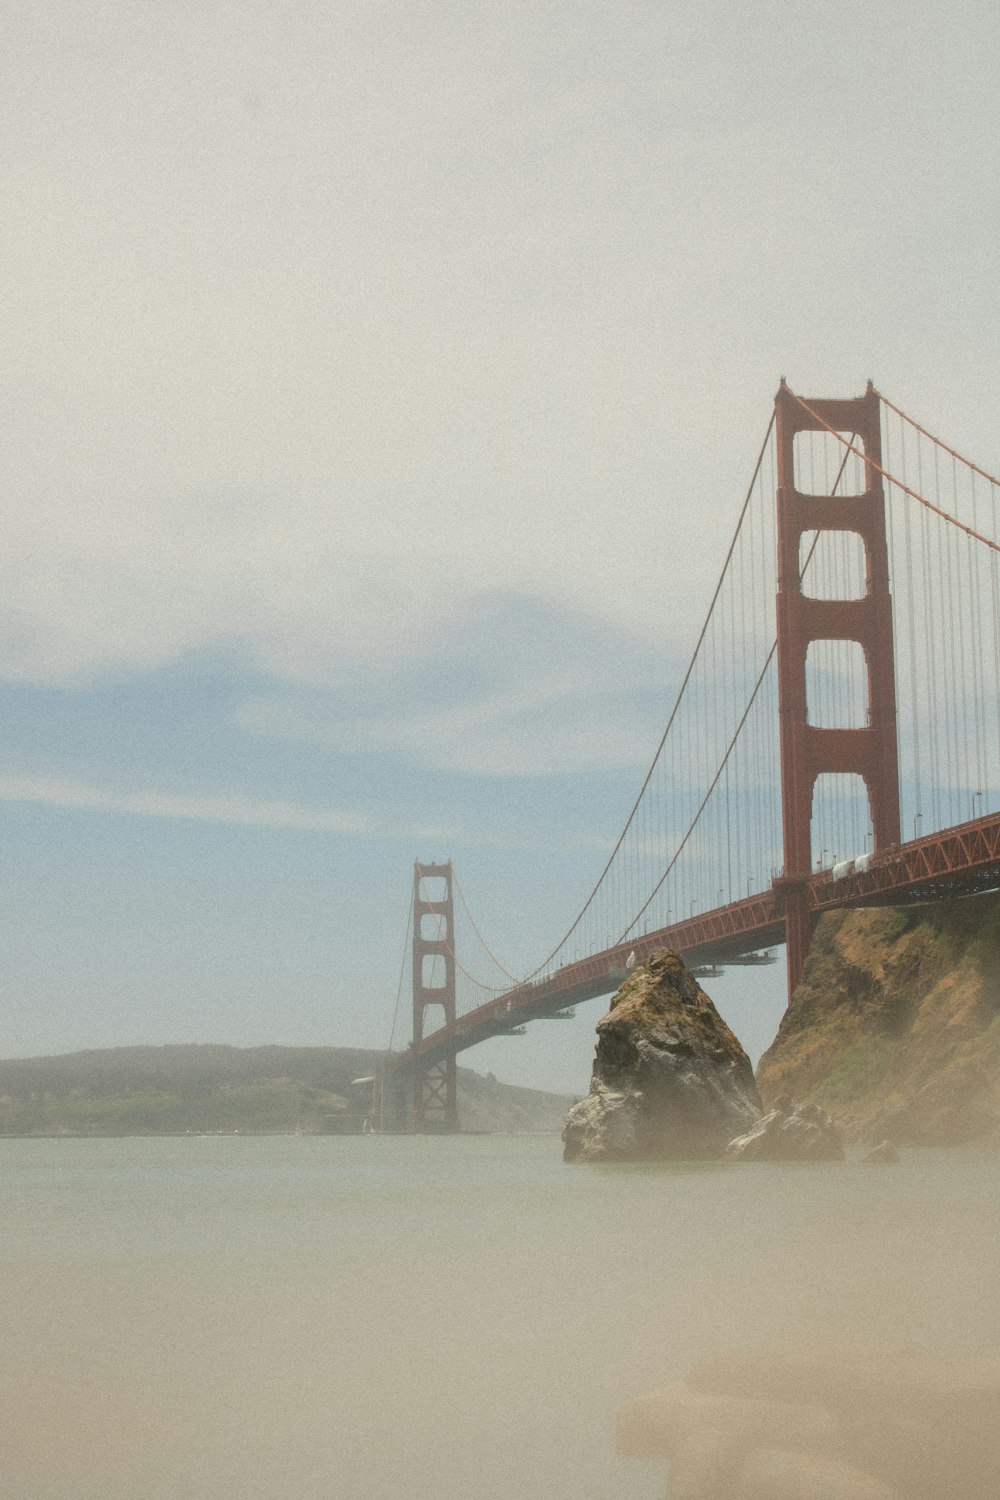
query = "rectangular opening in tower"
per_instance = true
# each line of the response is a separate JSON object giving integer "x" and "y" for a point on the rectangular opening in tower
{"x": 824, "y": 465}
{"x": 433, "y": 971}
{"x": 435, "y": 1016}
{"x": 833, "y": 565}
{"x": 841, "y": 820}
{"x": 432, "y": 888}
{"x": 837, "y": 693}
{"x": 433, "y": 927}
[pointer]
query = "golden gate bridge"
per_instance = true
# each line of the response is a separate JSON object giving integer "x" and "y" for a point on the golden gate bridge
{"x": 835, "y": 741}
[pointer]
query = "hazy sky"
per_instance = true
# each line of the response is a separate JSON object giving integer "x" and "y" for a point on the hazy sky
{"x": 379, "y": 385}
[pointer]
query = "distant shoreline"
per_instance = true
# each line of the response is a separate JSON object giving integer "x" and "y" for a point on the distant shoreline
{"x": 203, "y": 1090}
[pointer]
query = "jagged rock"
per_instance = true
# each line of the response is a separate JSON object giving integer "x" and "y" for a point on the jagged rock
{"x": 885, "y": 1151}
{"x": 791, "y": 1132}
{"x": 670, "y": 1079}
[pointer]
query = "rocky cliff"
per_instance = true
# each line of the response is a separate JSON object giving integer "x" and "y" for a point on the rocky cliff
{"x": 895, "y": 1027}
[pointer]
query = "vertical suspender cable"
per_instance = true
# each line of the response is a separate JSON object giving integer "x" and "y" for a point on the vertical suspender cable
{"x": 976, "y": 608}
{"x": 915, "y": 734}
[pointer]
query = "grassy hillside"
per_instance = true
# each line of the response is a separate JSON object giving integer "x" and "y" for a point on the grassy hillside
{"x": 895, "y": 1028}
{"x": 169, "y": 1090}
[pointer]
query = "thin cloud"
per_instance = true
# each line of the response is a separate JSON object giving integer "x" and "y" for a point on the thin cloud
{"x": 79, "y": 796}
{"x": 480, "y": 698}
{"x": 540, "y": 732}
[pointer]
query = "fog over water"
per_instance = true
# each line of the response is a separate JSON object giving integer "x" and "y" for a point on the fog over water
{"x": 200, "y": 1318}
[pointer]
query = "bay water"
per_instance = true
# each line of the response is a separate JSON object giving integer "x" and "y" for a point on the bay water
{"x": 301, "y": 1318}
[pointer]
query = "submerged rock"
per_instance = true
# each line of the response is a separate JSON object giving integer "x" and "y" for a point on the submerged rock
{"x": 670, "y": 1079}
{"x": 791, "y": 1132}
{"x": 884, "y": 1152}
{"x": 828, "y": 1420}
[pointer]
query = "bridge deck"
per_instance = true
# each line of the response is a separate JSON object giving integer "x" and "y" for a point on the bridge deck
{"x": 951, "y": 862}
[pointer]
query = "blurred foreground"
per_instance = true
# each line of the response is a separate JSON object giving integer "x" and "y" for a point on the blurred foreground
{"x": 827, "y": 1420}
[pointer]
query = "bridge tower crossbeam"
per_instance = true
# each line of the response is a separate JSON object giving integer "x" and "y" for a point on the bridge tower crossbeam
{"x": 808, "y": 751}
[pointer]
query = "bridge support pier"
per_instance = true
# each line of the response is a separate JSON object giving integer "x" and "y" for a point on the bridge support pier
{"x": 434, "y": 1097}
{"x": 392, "y": 1101}
{"x": 794, "y": 897}
{"x": 808, "y": 751}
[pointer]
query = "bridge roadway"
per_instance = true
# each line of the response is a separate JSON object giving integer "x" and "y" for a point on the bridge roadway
{"x": 953, "y": 861}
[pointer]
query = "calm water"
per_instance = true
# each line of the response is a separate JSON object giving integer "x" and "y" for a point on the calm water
{"x": 232, "y": 1317}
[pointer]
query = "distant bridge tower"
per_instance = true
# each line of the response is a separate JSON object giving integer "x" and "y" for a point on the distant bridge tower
{"x": 434, "y": 1104}
{"x": 808, "y": 751}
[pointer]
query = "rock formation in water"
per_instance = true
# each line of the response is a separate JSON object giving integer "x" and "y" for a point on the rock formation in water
{"x": 884, "y": 1154}
{"x": 895, "y": 1027}
{"x": 790, "y": 1132}
{"x": 855, "y": 1422}
{"x": 670, "y": 1080}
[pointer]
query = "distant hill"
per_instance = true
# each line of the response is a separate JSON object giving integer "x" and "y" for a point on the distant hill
{"x": 254, "y": 1090}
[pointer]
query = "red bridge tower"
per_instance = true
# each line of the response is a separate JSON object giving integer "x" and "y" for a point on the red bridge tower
{"x": 808, "y": 751}
{"x": 434, "y": 1104}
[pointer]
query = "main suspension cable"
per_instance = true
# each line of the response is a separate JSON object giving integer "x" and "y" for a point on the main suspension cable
{"x": 475, "y": 927}
{"x": 913, "y": 494}
{"x": 732, "y": 743}
{"x": 673, "y": 714}
{"x": 492, "y": 989}
{"x": 402, "y": 971}
{"x": 705, "y": 800}
{"x": 929, "y": 435}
